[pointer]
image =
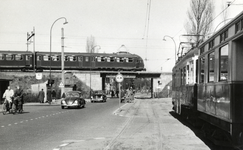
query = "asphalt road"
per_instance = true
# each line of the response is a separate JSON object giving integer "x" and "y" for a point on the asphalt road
{"x": 44, "y": 127}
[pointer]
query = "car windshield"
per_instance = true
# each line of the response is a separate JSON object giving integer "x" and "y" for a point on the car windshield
{"x": 72, "y": 94}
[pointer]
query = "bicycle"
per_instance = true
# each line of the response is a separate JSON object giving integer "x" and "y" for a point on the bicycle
{"x": 6, "y": 107}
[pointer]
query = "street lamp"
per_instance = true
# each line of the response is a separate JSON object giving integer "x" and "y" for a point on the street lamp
{"x": 51, "y": 38}
{"x": 90, "y": 68}
{"x": 51, "y": 43}
{"x": 174, "y": 43}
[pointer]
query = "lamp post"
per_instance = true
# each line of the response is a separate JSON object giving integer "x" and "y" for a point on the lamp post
{"x": 51, "y": 43}
{"x": 90, "y": 69}
{"x": 173, "y": 41}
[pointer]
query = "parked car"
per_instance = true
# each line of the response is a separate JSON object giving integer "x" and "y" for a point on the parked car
{"x": 73, "y": 99}
{"x": 98, "y": 96}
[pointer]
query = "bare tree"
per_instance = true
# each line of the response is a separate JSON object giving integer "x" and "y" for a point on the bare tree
{"x": 90, "y": 44}
{"x": 200, "y": 16}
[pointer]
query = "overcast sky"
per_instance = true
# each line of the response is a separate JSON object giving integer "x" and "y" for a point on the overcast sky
{"x": 112, "y": 22}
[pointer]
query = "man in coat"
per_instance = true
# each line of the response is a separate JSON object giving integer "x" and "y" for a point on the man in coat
{"x": 41, "y": 96}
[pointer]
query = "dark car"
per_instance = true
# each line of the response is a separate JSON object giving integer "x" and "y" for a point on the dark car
{"x": 73, "y": 99}
{"x": 98, "y": 96}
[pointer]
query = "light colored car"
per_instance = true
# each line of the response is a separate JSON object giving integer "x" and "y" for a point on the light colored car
{"x": 73, "y": 99}
{"x": 98, "y": 96}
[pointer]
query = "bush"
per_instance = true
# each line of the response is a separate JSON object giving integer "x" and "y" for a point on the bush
{"x": 30, "y": 98}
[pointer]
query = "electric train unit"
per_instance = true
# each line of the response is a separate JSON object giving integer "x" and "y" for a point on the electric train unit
{"x": 24, "y": 60}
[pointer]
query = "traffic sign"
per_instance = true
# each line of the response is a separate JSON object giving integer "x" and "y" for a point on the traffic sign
{"x": 61, "y": 85}
{"x": 119, "y": 78}
{"x": 38, "y": 76}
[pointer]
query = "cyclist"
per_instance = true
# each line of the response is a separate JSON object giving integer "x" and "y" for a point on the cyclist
{"x": 8, "y": 95}
{"x": 18, "y": 98}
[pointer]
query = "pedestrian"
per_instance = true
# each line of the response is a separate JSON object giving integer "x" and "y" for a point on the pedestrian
{"x": 49, "y": 99}
{"x": 74, "y": 87}
{"x": 41, "y": 96}
{"x": 53, "y": 94}
{"x": 18, "y": 94}
{"x": 8, "y": 95}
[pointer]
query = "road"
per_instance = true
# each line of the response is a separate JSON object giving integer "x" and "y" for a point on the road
{"x": 44, "y": 127}
{"x": 144, "y": 124}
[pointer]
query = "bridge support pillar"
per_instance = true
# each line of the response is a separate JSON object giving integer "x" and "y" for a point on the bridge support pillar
{"x": 152, "y": 88}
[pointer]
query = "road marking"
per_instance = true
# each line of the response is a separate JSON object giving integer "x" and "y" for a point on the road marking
{"x": 16, "y": 123}
{"x": 2, "y": 126}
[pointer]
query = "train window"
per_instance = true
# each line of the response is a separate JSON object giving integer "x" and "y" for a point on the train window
{"x": 202, "y": 64}
{"x": 223, "y": 63}
{"x": 108, "y": 59}
{"x": 66, "y": 58}
{"x": 46, "y": 58}
{"x": 1, "y": 56}
{"x": 102, "y": 59}
{"x": 54, "y": 58}
{"x": 9, "y": 57}
{"x": 117, "y": 59}
{"x": 98, "y": 59}
{"x": 71, "y": 58}
{"x": 18, "y": 57}
{"x": 80, "y": 58}
{"x": 211, "y": 61}
{"x": 38, "y": 58}
{"x": 121, "y": 60}
{"x": 112, "y": 59}
{"x": 86, "y": 59}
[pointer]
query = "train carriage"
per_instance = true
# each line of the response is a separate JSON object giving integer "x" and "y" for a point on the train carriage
{"x": 11, "y": 60}
{"x": 219, "y": 87}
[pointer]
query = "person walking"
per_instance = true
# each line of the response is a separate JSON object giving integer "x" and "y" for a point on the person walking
{"x": 53, "y": 94}
{"x": 41, "y": 96}
{"x": 18, "y": 94}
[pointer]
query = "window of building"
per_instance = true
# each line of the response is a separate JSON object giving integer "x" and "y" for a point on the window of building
{"x": 202, "y": 64}
{"x": 211, "y": 60}
{"x": 223, "y": 59}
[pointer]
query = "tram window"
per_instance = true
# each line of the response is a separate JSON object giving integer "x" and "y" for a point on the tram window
{"x": 18, "y": 57}
{"x": 121, "y": 60}
{"x": 58, "y": 58}
{"x": 202, "y": 50}
{"x": 202, "y": 64}
{"x": 117, "y": 59}
{"x": 71, "y": 58}
{"x": 211, "y": 61}
{"x": 211, "y": 44}
{"x": 223, "y": 63}
{"x": 237, "y": 27}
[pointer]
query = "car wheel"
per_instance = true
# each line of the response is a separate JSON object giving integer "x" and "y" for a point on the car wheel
{"x": 62, "y": 107}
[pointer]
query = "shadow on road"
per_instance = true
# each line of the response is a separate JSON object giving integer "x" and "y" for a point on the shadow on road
{"x": 199, "y": 133}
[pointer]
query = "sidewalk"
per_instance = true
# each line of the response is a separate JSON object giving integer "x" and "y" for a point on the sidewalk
{"x": 150, "y": 125}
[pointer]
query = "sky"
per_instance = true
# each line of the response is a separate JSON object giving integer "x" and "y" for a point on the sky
{"x": 111, "y": 22}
